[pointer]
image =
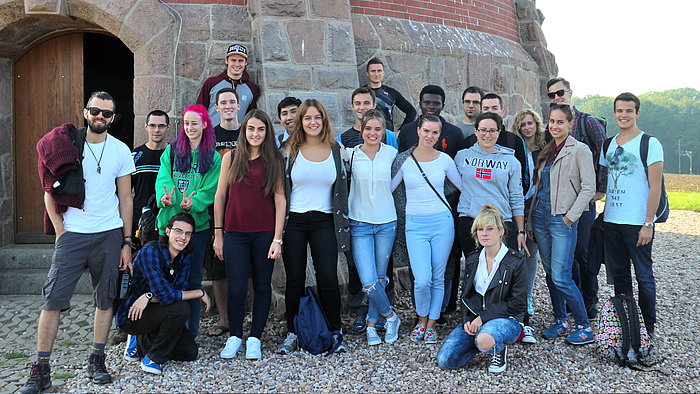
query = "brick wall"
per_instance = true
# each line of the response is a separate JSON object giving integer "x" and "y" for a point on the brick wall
{"x": 489, "y": 16}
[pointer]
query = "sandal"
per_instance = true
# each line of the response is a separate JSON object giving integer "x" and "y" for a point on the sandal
{"x": 217, "y": 331}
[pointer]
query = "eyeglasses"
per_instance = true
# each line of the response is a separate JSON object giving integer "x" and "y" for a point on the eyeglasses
{"x": 616, "y": 156}
{"x": 468, "y": 102}
{"x": 559, "y": 93}
{"x": 559, "y": 106}
{"x": 94, "y": 111}
{"x": 157, "y": 126}
{"x": 179, "y": 231}
{"x": 488, "y": 131}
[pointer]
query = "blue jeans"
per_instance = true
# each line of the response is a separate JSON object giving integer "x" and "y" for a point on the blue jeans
{"x": 371, "y": 249}
{"x": 429, "y": 240}
{"x": 459, "y": 347}
{"x": 621, "y": 246}
{"x": 199, "y": 241}
{"x": 556, "y": 242}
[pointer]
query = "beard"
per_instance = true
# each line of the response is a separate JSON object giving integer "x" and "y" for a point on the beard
{"x": 98, "y": 129}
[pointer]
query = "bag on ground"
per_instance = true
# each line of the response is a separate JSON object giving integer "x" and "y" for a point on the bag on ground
{"x": 621, "y": 334}
{"x": 312, "y": 327}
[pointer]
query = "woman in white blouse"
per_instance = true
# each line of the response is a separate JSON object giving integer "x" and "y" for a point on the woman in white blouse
{"x": 373, "y": 221}
{"x": 429, "y": 226}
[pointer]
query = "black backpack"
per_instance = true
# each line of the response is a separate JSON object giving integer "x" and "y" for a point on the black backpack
{"x": 663, "y": 209}
{"x": 312, "y": 327}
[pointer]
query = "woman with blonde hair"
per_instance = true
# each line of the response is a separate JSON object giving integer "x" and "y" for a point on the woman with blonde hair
{"x": 316, "y": 189}
{"x": 494, "y": 288}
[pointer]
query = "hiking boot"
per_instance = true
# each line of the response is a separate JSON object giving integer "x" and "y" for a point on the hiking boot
{"x": 252, "y": 348}
{"x": 498, "y": 360}
{"x": 343, "y": 347}
{"x": 555, "y": 330}
{"x": 39, "y": 379}
{"x": 149, "y": 366}
{"x": 581, "y": 336}
{"x": 430, "y": 336}
{"x": 130, "y": 351}
{"x": 392, "y": 330}
{"x": 233, "y": 343}
{"x": 372, "y": 336}
{"x": 289, "y": 345}
{"x": 97, "y": 371}
{"x": 529, "y": 335}
{"x": 360, "y": 324}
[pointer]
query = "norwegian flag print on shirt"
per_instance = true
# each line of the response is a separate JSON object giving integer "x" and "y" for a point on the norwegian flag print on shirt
{"x": 483, "y": 173}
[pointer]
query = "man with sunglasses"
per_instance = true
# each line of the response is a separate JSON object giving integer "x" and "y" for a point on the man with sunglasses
{"x": 94, "y": 234}
{"x": 587, "y": 129}
{"x": 155, "y": 312}
{"x": 147, "y": 162}
{"x": 631, "y": 204}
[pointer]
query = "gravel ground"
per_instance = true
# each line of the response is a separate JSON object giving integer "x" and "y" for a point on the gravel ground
{"x": 405, "y": 366}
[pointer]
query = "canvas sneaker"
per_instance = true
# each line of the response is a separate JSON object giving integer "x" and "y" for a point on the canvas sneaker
{"x": 39, "y": 379}
{"x": 498, "y": 360}
{"x": 528, "y": 335}
{"x": 252, "y": 348}
{"x": 581, "y": 336}
{"x": 289, "y": 345}
{"x": 130, "y": 352}
{"x": 233, "y": 344}
{"x": 97, "y": 371}
{"x": 392, "y": 330}
{"x": 558, "y": 328}
{"x": 372, "y": 336}
{"x": 151, "y": 367}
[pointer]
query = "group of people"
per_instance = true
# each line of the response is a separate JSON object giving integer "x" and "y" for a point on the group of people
{"x": 426, "y": 195}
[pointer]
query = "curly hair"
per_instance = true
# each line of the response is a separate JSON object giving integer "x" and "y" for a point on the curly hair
{"x": 539, "y": 132}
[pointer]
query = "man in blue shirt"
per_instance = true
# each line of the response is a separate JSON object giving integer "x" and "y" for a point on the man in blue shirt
{"x": 155, "y": 312}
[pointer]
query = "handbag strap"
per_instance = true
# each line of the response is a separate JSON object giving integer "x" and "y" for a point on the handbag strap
{"x": 430, "y": 184}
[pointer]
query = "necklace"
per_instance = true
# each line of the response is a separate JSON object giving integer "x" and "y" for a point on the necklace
{"x": 99, "y": 168}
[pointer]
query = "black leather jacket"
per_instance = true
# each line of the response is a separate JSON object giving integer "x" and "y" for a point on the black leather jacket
{"x": 506, "y": 295}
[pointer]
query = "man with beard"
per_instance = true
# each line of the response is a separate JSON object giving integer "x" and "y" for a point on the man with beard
{"x": 95, "y": 235}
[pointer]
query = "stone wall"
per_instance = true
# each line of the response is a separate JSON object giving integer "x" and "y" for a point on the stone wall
{"x": 7, "y": 231}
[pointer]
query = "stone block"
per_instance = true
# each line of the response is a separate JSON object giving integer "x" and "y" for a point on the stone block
{"x": 365, "y": 36}
{"x": 333, "y": 78}
{"x": 341, "y": 45}
{"x": 277, "y": 305}
{"x": 153, "y": 92}
{"x": 334, "y": 9}
{"x": 515, "y": 104}
{"x": 8, "y": 233}
{"x": 279, "y": 276}
{"x": 306, "y": 41}
{"x": 400, "y": 83}
{"x": 140, "y": 135}
{"x": 416, "y": 83}
{"x": 403, "y": 278}
{"x": 5, "y": 135}
{"x": 453, "y": 106}
{"x": 110, "y": 14}
{"x": 273, "y": 43}
{"x": 141, "y": 20}
{"x": 347, "y": 116}
{"x": 479, "y": 70}
{"x": 81, "y": 9}
{"x": 525, "y": 10}
{"x": 362, "y": 56}
{"x": 521, "y": 81}
{"x": 5, "y": 87}
{"x": 391, "y": 34}
{"x": 7, "y": 165}
{"x": 455, "y": 74}
{"x": 531, "y": 32}
{"x": 443, "y": 40}
{"x": 195, "y": 21}
{"x": 9, "y": 51}
{"x": 544, "y": 59}
{"x": 406, "y": 64}
{"x": 12, "y": 11}
{"x": 217, "y": 54}
{"x": 279, "y": 77}
{"x": 421, "y": 40}
{"x": 130, "y": 38}
{"x": 435, "y": 72}
{"x": 156, "y": 57}
{"x": 188, "y": 90}
{"x": 42, "y": 7}
{"x": 230, "y": 24}
{"x": 282, "y": 8}
{"x": 498, "y": 78}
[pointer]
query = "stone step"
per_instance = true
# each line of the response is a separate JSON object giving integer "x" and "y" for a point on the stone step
{"x": 31, "y": 281}
{"x": 26, "y": 256}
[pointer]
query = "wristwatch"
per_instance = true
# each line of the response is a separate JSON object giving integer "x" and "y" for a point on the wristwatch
{"x": 279, "y": 241}
{"x": 649, "y": 224}
{"x": 149, "y": 295}
{"x": 522, "y": 234}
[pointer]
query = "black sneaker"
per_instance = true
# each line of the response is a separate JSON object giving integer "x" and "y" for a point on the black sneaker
{"x": 441, "y": 322}
{"x": 97, "y": 370}
{"x": 39, "y": 379}
{"x": 498, "y": 361}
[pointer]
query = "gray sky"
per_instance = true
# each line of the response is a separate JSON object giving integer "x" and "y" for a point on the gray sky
{"x": 611, "y": 46}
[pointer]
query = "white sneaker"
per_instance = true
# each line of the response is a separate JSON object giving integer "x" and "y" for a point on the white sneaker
{"x": 372, "y": 336}
{"x": 233, "y": 343}
{"x": 529, "y": 336}
{"x": 392, "y": 330}
{"x": 252, "y": 348}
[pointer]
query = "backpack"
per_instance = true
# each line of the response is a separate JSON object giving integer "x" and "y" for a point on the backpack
{"x": 312, "y": 327}
{"x": 663, "y": 210}
{"x": 148, "y": 222}
{"x": 621, "y": 334}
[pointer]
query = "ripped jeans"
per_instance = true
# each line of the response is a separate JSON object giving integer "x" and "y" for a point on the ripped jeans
{"x": 371, "y": 249}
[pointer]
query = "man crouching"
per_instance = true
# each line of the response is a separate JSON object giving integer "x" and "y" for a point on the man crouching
{"x": 154, "y": 313}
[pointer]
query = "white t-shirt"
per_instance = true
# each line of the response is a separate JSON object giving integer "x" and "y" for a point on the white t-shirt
{"x": 101, "y": 209}
{"x": 628, "y": 187}
{"x": 312, "y": 185}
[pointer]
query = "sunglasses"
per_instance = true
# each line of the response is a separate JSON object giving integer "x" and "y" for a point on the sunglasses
{"x": 94, "y": 111}
{"x": 616, "y": 156}
{"x": 559, "y": 106}
{"x": 559, "y": 93}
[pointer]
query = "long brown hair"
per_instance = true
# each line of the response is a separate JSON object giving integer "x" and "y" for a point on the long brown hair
{"x": 547, "y": 150}
{"x": 539, "y": 131}
{"x": 269, "y": 154}
{"x": 297, "y": 136}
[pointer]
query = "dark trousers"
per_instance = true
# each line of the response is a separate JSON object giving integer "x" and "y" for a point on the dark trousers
{"x": 316, "y": 229}
{"x": 357, "y": 301}
{"x": 241, "y": 250}
{"x": 588, "y": 270}
{"x": 161, "y": 333}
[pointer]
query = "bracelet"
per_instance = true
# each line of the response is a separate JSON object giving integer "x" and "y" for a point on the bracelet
{"x": 127, "y": 236}
{"x": 203, "y": 293}
{"x": 125, "y": 243}
{"x": 279, "y": 241}
{"x": 218, "y": 228}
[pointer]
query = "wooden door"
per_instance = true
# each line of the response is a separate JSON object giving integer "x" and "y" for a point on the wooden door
{"x": 48, "y": 91}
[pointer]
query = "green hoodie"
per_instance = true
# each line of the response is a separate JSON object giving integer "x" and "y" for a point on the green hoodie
{"x": 204, "y": 187}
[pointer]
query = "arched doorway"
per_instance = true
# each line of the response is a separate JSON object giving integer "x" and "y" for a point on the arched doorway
{"x": 51, "y": 82}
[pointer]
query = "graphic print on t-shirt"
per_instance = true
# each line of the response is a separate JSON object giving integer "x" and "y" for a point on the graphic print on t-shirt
{"x": 483, "y": 173}
{"x": 625, "y": 167}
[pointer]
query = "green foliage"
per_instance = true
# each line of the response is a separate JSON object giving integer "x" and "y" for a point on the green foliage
{"x": 11, "y": 356}
{"x": 67, "y": 342}
{"x": 670, "y": 115}
{"x": 689, "y": 201}
{"x": 57, "y": 376}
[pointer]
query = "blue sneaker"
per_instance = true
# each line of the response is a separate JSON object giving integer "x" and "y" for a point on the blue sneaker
{"x": 581, "y": 336}
{"x": 381, "y": 324}
{"x": 559, "y": 328}
{"x": 149, "y": 366}
{"x": 130, "y": 352}
{"x": 360, "y": 324}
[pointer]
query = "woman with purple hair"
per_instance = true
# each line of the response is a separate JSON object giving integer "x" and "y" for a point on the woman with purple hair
{"x": 187, "y": 179}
